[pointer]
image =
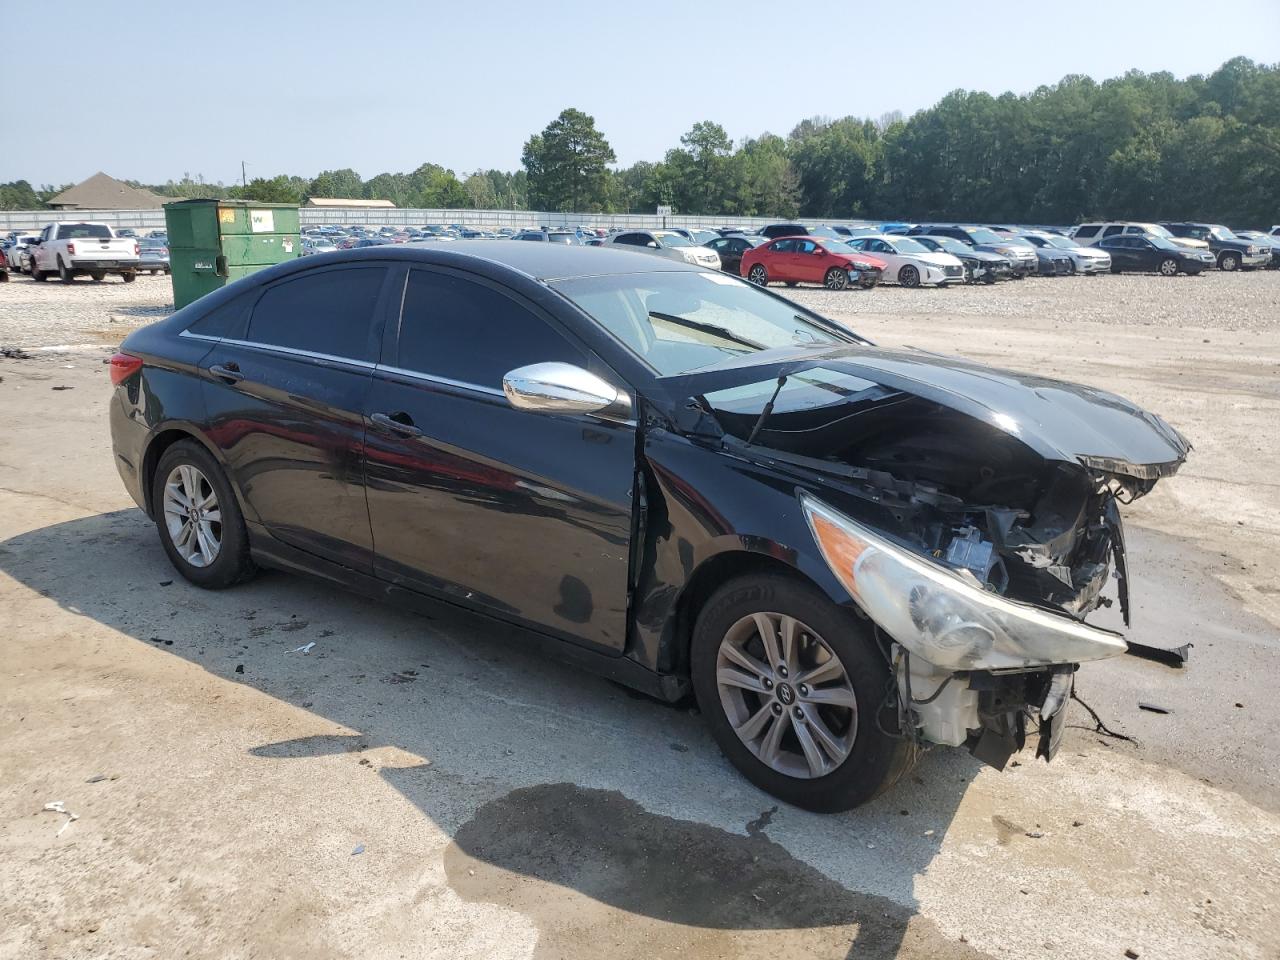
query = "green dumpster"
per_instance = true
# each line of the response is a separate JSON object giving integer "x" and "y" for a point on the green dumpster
{"x": 212, "y": 242}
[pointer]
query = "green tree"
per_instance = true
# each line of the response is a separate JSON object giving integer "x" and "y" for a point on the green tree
{"x": 344, "y": 183}
{"x": 567, "y": 164}
{"x": 279, "y": 189}
{"x": 18, "y": 195}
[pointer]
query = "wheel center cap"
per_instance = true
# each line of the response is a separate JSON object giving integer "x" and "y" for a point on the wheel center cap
{"x": 786, "y": 696}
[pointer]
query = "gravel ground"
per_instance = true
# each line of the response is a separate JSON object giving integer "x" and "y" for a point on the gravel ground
{"x": 52, "y": 314}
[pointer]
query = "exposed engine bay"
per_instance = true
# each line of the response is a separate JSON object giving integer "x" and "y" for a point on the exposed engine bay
{"x": 975, "y": 497}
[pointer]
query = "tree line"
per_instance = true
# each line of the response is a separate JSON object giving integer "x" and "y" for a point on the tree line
{"x": 1140, "y": 146}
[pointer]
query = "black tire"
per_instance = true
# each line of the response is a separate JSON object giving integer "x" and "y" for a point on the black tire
{"x": 233, "y": 564}
{"x": 1229, "y": 262}
{"x": 1169, "y": 267}
{"x": 97, "y": 276}
{"x": 837, "y": 278}
{"x": 758, "y": 275}
{"x": 129, "y": 276}
{"x": 37, "y": 274}
{"x": 989, "y": 277}
{"x": 65, "y": 274}
{"x": 791, "y": 283}
{"x": 875, "y": 760}
{"x": 909, "y": 276}
{"x": 1071, "y": 268}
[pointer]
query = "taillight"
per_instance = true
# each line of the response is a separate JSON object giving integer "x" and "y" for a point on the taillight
{"x": 123, "y": 367}
{"x": 135, "y": 249}
{"x": 71, "y": 248}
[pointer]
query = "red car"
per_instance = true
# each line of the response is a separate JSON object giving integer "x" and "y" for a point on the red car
{"x": 811, "y": 260}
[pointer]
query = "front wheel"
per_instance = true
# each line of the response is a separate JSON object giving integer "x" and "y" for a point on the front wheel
{"x": 758, "y": 275}
{"x": 97, "y": 276}
{"x": 129, "y": 276}
{"x": 1169, "y": 267}
{"x": 837, "y": 278}
{"x": 37, "y": 274}
{"x": 909, "y": 276}
{"x": 1229, "y": 262}
{"x": 792, "y": 687}
{"x": 65, "y": 273}
{"x": 199, "y": 519}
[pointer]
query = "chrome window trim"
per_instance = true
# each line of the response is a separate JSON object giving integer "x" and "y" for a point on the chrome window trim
{"x": 287, "y": 351}
{"x": 443, "y": 381}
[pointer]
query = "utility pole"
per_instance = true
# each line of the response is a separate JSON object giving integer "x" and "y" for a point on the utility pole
{"x": 244, "y": 181}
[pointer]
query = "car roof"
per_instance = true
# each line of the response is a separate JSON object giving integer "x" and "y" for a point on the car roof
{"x": 538, "y": 261}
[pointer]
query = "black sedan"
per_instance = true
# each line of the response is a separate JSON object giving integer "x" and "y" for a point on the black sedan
{"x": 659, "y": 472}
{"x": 1152, "y": 254}
{"x": 979, "y": 266}
{"x": 732, "y": 248}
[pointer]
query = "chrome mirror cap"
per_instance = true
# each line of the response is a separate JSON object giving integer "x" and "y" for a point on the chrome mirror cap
{"x": 556, "y": 387}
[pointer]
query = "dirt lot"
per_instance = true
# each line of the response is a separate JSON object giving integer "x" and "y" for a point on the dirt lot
{"x": 424, "y": 787}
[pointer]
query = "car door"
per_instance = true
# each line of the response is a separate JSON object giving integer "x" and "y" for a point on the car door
{"x": 879, "y": 248}
{"x": 523, "y": 515}
{"x": 1124, "y": 253}
{"x": 1146, "y": 256}
{"x": 285, "y": 393}
{"x": 780, "y": 260}
{"x": 809, "y": 261}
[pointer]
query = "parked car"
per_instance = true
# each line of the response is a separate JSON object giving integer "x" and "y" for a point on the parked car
{"x": 1024, "y": 261}
{"x": 72, "y": 249}
{"x": 567, "y": 237}
{"x": 4, "y": 270}
{"x": 775, "y": 230}
{"x": 979, "y": 266}
{"x": 1266, "y": 241}
{"x": 153, "y": 257}
{"x": 665, "y": 243}
{"x": 1050, "y": 262}
{"x": 909, "y": 263}
{"x": 17, "y": 254}
{"x": 695, "y": 236}
{"x": 1154, "y": 255}
{"x": 686, "y": 483}
{"x": 793, "y": 260}
{"x": 1087, "y": 260}
{"x": 731, "y": 248}
{"x": 1089, "y": 234}
{"x": 1232, "y": 252}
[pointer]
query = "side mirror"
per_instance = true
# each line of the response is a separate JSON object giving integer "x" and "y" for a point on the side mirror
{"x": 563, "y": 388}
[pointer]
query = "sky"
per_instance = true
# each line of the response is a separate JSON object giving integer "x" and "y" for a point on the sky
{"x": 384, "y": 86}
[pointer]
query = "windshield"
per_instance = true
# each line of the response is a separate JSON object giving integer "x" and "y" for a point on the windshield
{"x": 1222, "y": 233}
{"x": 704, "y": 236}
{"x": 77, "y": 231}
{"x": 1062, "y": 243}
{"x": 1156, "y": 230}
{"x": 835, "y": 246}
{"x": 950, "y": 245}
{"x": 679, "y": 322}
{"x": 983, "y": 235}
{"x": 908, "y": 245}
{"x": 1018, "y": 242}
{"x": 1161, "y": 243}
{"x": 672, "y": 240}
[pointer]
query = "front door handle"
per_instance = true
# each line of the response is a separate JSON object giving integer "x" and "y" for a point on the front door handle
{"x": 230, "y": 372}
{"x": 400, "y": 423}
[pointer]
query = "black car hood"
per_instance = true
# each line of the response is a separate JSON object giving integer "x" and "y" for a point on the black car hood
{"x": 1059, "y": 420}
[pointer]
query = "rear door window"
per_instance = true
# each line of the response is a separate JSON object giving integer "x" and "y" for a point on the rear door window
{"x": 469, "y": 332}
{"x": 1112, "y": 230}
{"x": 329, "y": 312}
{"x": 1090, "y": 231}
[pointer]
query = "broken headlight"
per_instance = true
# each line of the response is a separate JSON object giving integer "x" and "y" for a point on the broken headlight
{"x": 941, "y": 614}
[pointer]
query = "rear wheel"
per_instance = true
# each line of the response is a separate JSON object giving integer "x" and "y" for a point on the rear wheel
{"x": 1169, "y": 267}
{"x": 837, "y": 278}
{"x": 198, "y": 518}
{"x": 909, "y": 276}
{"x": 64, "y": 272}
{"x": 758, "y": 275}
{"x": 791, "y": 686}
{"x": 1114, "y": 268}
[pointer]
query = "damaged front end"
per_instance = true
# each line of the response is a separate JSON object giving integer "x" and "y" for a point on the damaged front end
{"x": 973, "y": 517}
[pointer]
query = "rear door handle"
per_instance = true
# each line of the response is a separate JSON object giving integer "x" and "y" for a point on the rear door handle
{"x": 229, "y": 372}
{"x": 400, "y": 423}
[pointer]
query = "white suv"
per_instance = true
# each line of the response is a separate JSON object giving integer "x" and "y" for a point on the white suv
{"x": 1088, "y": 234}
{"x": 666, "y": 243}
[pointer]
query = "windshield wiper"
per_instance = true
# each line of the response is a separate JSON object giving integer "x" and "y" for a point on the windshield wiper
{"x": 724, "y": 333}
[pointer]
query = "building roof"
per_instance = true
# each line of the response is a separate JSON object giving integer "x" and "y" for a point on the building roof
{"x": 101, "y": 192}
{"x": 344, "y": 202}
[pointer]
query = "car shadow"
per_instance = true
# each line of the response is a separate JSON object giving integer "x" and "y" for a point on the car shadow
{"x": 601, "y": 816}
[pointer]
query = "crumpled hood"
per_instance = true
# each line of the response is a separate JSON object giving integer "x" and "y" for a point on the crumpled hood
{"x": 1059, "y": 420}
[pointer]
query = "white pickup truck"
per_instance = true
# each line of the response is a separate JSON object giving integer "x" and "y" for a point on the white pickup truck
{"x": 71, "y": 249}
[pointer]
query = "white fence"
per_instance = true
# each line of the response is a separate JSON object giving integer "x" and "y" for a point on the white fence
{"x": 315, "y": 216}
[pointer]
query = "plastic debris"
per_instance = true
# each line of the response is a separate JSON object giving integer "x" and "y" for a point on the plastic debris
{"x": 239, "y": 668}
{"x": 97, "y": 778}
{"x": 58, "y": 806}
{"x": 358, "y": 850}
{"x": 305, "y": 648}
{"x": 1153, "y": 708}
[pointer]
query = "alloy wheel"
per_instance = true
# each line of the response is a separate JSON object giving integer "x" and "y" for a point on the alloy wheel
{"x": 1169, "y": 267}
{"x": 909, "y": 276}
{"x": 786, "y": 695}
{"x": 758, "y": 275}
{"x": 837, "y": 279}
{"x": 192, "y": 515}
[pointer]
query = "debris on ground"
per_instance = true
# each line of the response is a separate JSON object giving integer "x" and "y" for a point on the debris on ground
{"x": 1131, "y": 954}
{"x": 1099, "y": 726}
{"x": 62, "y": 387}
{"x": 1034, "y": 834}
{"x": 166, "y": 583}
{"x": 1153, "y": 708}
{"x": 1174, "y": 657}
{"x": 678, "y": 747}
{"x": 15, "y": 353}
{"x": 403, "y": 676}
{"x": 239, "y": 668}
{"x": 305, "y": 648}
{"x": 58, "y": 806}
{"x": 97, "y": 778}
{"x": 358, "y": 850}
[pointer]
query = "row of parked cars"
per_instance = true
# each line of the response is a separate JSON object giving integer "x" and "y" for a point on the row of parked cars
{"x": 148, "y": 254}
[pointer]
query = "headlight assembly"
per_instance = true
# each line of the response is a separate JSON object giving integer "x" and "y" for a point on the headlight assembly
{"x": 941, "y": 615}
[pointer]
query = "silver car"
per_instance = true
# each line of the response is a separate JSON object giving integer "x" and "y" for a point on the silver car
{"x": 1083, "y": 259}
{"x": 666, "y": 243}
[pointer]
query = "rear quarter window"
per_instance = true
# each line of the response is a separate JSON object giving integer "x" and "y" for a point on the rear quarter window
{"x": 227, "y": 320}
